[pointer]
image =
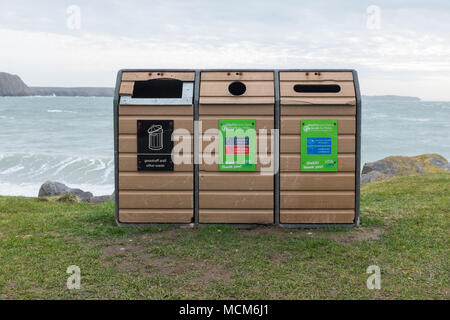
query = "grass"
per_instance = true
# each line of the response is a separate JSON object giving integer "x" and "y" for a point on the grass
{"x": 405, "y": 231}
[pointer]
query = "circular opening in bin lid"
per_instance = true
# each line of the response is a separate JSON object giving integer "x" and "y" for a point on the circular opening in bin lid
{"x": 156, "y": 128}
{"x": 237, "y": 88}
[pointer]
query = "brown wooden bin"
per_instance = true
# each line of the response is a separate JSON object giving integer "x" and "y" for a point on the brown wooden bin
{"x": 316, "y": 197}
{"x": 151, "y": 186}
{"x": 236, "y": 196}
{"x": 175, "y": 164}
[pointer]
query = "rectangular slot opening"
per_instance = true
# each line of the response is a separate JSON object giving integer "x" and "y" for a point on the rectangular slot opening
{"x": 317, "y": 88}
{"x": 158, "y": 88}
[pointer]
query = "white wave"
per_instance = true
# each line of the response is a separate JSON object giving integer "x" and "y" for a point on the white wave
{"x": 60, "y": 111}
{"x": 12, "y": 169}
{"x": 415, "y": 119}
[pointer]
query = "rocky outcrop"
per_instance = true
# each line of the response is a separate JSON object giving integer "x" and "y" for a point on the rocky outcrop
{"x": 12, "y": 85}
{"x": 53, "y": 189}
{"x": 401, "y": 165}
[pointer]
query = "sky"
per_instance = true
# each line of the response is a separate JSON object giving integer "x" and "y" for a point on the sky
{"x": 397, "y": 47}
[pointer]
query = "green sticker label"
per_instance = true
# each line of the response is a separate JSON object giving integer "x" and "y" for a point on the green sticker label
{"x": 237, "y": 145}
{"x": 318, "y": 145}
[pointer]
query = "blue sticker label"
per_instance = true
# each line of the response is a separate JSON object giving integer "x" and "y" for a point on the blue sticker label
{"x": 318, "y": 145}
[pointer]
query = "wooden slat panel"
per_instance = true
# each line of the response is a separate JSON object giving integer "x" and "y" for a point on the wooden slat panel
{"x": 235, "y": 216}
{"x": 155, "y": 110}
{"x": 253, "y": 109}
{"x": 317, "y": 181}
{"x": 236, "y": 200}
{"x": 146, "y": 180}
{"x": 261, "y": 122}
{"x": 307, "y": 101}
{"x": 291, "y": 144}
{"x": 317, "y": 216}
{"x": 143, "y": 76}
{"x": 237, "y": 100}
{"x": 317, "y": 110}
{"x": 291, "y": 162}
{"x": 156, "y": 216}
{"x": 126, "y": 88}
{"x": 235, "y": 181}
{"x": 291, "y": 124}
{"x": 315, "y": 76}
{"x": 128, "y": 124}
{"x": 287, "y": 89}
{"x": 317, "y": 199}
{"x": 155, "y": 199}
{"x": 220, "y": 89}
{"x": 128, "y": 143}
{"x": 182, "y": 163}
{"x": 237, "y": 75}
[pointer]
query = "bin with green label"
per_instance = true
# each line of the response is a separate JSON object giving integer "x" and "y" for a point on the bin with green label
{"x": 236, "y": 178}
{"x": 319, "y": 166}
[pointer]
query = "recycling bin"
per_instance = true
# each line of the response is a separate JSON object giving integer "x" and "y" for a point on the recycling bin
{"x": 154, "y": 117}
{"x": 236, "y": 181}
{"x": 319, "y": 146}
{"x": 273, "y": 147}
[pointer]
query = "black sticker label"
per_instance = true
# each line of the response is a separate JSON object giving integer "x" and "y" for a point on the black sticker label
{"x": 154, "y": 145}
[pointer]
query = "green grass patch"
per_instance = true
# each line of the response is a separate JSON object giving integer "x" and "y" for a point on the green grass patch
{"x": 405, "y": 227}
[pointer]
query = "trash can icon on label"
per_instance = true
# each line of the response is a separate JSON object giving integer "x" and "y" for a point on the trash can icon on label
{"x": 155, "y": 137}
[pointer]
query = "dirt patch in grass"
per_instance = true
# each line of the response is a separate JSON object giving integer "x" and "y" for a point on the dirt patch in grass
{"x": 168, "y": 234}
{"x": 347, "y": 236}
{"x": 355, "y": 235}
{"x": 135, "y": 259}
{"x": 118, "y": 249}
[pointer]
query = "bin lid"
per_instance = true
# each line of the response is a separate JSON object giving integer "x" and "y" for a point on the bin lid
{"x": 156, "y": 128}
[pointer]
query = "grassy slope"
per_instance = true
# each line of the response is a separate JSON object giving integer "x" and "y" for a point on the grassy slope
{"x": 405, "y": 232}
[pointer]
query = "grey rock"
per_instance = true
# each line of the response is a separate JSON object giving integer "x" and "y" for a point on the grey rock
{"x": 372, "y": 176}
{"x": 54, "y": 188}
{"x": 101, "y": 199}
{"x": 439, "y": 162}
{"x": 84, "y": 196}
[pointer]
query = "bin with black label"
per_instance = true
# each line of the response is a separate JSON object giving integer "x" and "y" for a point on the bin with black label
{"x": 154, "y": 146}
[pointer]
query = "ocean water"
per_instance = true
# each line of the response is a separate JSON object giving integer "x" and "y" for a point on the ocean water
{"x": 70, "y": 139}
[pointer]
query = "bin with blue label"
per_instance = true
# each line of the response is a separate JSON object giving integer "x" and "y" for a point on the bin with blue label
{"x": 319, "y": 151}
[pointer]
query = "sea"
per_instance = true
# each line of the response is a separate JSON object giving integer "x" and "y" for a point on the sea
{"x": 70, "y": 139}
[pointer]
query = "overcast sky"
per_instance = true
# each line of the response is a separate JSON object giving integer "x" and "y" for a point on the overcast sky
{"x": 398, "y": 47}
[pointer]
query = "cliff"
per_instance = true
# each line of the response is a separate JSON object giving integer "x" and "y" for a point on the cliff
{"x": 12, "y": 85}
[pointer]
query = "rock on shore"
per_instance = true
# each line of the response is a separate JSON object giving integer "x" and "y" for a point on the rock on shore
{"x": 401, "y": 165}
{"x": 53, "y": 188}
